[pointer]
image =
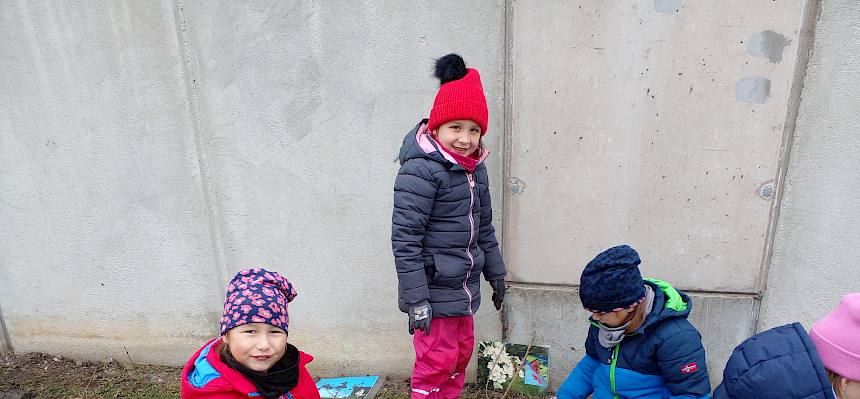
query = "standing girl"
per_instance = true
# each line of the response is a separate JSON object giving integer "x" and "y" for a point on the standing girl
{"x": 252, "y": 356}
{"x": 442, "y": 231}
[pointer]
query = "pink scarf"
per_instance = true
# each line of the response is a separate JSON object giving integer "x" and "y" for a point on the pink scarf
{"x": 469, "y": 163}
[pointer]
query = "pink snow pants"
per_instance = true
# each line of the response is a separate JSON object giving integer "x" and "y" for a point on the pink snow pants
{"x": 441, "y": 357}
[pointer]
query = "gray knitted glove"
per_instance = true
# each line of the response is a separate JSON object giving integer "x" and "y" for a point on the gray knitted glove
{"x": 420, "y": 315}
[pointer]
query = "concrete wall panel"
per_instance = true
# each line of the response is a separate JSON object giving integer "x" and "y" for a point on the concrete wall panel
{"x": 815, "y": 251}
{"x": 304, "y": 106}
{"x": 105, "y": 244}
{"x": 632, "y": 123}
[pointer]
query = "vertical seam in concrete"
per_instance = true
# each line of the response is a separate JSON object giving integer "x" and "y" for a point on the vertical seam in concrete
{"x": 5, "y": 342}
{"x": 506, "y": 142}
{"x": 209, "y": 196}
{"x": 805, "y": 46}
{"x": 755, "y": 311}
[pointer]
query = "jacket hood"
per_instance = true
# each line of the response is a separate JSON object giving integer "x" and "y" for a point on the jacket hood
{"x": 418, "y": 143}
{"x": 778, "y": 363}
{"x": 668, "y": 303}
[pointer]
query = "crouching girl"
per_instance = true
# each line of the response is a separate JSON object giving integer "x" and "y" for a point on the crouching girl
{"x": 251, "y": 358}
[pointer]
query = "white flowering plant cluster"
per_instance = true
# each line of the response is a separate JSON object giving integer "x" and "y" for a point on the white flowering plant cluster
{"x": 500, "y": 364}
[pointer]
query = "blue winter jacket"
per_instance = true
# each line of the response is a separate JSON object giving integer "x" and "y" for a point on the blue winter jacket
{"x": 663, "y": 358}
{"x": 442, "y": 233}
{"x": 778, "y": 363}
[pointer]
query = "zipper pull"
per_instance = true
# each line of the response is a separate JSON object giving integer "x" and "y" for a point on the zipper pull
{"x": 471, "y": 180}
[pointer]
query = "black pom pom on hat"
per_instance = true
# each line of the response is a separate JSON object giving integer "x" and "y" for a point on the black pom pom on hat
{"x": 450, "y": 67}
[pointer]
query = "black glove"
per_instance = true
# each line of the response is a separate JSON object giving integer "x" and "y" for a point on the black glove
{"x": 498, "y": 292}
{"x": 420, "y": 315}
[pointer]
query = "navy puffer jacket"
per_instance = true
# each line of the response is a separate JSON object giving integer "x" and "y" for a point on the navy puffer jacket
{"x": 440, "y": 210}
{"x": 662, "y": 359}
{"x": 778, "y": 363}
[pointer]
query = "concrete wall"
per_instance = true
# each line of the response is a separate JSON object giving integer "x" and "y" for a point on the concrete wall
{"x": 302, "y": 108}
{"x": 5, "y": 346}
{"x": 658, "y": 124}
{"x": 815, "y": 251}
{"x": 106, "y": 241}
{"x": 150, "y": 150}
{"x": 640, "y": 136}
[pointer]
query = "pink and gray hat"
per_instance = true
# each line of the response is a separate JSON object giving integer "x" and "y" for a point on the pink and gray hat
{"x": 257, "y": 296}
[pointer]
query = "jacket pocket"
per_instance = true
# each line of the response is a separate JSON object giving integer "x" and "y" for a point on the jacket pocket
{"x": 450, "y": 269}
{"x": 430, "y": 269}
{"x": 480, "y": 259}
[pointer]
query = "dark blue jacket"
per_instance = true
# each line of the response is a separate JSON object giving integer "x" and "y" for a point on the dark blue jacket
{"x": 778, "y": 363}
{"x": 440, "y": 210}
{"x": 663, "y": 358}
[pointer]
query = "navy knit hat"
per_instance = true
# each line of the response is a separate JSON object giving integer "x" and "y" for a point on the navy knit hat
{"x": 257, "y": 296}
{"x": 611, "y": 281}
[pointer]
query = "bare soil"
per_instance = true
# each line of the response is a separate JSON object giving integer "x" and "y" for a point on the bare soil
{"x": 37, "y": 375}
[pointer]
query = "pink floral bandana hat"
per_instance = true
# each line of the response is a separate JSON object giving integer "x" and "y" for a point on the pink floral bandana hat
{"x": 257, "y": 296}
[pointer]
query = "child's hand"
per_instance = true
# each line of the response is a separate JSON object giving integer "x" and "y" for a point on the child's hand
{"x": 420, "y": 315}
{"x": 498, "y": 292}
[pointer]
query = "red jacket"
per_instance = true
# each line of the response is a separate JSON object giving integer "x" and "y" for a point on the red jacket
{"x": 205, "y": 376}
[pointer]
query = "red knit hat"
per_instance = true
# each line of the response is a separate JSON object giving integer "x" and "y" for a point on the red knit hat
{"x": 460, "y": 95}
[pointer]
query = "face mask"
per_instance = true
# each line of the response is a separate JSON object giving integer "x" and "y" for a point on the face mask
{"x": 608, "y": 337}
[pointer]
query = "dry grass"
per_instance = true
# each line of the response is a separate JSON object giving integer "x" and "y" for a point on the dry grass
{"x": 41, "y": 376}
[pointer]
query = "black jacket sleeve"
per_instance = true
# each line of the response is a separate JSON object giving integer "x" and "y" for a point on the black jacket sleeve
{"x": 414, "y": 194}
{"x": 494, "y": 266}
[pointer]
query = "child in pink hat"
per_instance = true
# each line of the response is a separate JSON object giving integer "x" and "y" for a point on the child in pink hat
{"x": 786, "y": 362}
{"x": 837, "y": 339}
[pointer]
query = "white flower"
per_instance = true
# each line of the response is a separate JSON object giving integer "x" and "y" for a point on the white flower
{"x": 500, "y": 366}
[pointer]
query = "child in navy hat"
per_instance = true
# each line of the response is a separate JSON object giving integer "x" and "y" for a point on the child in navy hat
{"x": 640, "y": 344}
{"x": 251, "y": 358}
